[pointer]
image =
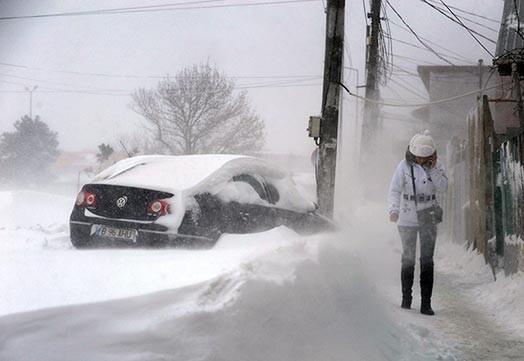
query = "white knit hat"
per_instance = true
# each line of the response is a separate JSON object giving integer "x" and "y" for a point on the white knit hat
{"x": 422, "y": 145}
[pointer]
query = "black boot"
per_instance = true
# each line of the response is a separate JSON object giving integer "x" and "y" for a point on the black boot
{"x": 425, "y": 309}
{"x": 406, "y": 277}
{"x": 426, "y": 288}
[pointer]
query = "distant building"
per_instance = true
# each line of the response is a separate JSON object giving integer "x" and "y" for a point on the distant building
{"x": 449, "y": 119}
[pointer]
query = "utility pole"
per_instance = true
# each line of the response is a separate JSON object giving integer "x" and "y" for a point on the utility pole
{"x": 327, "y": 155}
{"x": 481, "y": 62}
{"x": 370, "y": 124}
{"x": 31, "y": 90}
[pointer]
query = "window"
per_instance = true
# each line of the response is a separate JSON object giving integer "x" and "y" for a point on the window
{"x": 257, "y": 186}
{"x": 274, "y": 196}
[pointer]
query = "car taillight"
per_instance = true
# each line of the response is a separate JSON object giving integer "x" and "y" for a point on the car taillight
{"x": 85, "y": 199}
{"x": 157, "y": 207}
{"x": 90, "y": 199}
{"x": 80, "y": 198}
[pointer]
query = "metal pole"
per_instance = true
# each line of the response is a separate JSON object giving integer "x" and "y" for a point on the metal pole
{"x": 480, "y": 75}
{"x": 31, "y": 99}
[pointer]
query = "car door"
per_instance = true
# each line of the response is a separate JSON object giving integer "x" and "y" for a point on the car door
{"x": 251, "y": 213}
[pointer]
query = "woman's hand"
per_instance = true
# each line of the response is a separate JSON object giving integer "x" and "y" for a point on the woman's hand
{"x": 393, "y": 217}
{"x": 431, "y": 161}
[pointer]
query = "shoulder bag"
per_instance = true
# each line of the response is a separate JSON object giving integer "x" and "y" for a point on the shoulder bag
{"x": 429, "y": 216}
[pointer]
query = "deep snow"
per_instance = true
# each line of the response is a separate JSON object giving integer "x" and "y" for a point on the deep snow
{"x": 268, "y": 296}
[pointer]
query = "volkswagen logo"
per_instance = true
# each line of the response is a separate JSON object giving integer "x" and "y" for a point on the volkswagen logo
{"x": 121, "y": 202}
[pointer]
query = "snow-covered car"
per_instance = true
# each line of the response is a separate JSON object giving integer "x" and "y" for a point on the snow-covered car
{"x": 172, "y": 200}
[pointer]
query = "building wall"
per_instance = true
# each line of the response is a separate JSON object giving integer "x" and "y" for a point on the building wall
{"x": 449, "y": 119}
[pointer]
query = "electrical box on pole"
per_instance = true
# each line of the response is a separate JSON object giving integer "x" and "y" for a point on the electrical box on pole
{"x": 313, "y": 128}
{"x": 327, "y": 154}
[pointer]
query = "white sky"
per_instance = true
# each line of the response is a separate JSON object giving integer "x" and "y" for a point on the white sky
{"x": 248, "y": 41}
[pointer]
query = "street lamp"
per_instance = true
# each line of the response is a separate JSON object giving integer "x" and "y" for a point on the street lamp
{"x": 31, "y": 90}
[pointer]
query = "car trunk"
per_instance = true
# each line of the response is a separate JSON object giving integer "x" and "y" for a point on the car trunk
{"x": 120, "y": 202}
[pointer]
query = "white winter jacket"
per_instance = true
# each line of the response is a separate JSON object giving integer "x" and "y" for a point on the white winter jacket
{"x": 427, "y": 182}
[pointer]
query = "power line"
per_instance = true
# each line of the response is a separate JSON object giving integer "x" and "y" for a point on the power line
{"x": 56, "y": 83}
{"x": 479, "y": 24}
{"x": 388, "y": 87}
{"x": 408, "y": 105}
{"x": 404, "y": 74}
{"x": 109, "y": 10}
{"x": 457, "y": 22}
{"x": 518, "y": 31}
{"x": 417, "y": 36}
{"x": 405, "y": 71}
{"x": 414, "y": 61}
{"x": 425, "y": 49}
{"x": 468, "y": 12}
{"x": 433, "y": 43}
{"x": 468, "y": 29}
{"x": 52, "y": 90}
{"x": 466, "y": 18}
{"x": 409, "y": 89}
{"x": 144, "y": 10}
{"x": 386, "y": 47}
{"x": 130, "y": 76}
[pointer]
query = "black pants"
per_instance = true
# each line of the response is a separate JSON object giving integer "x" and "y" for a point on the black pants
{"x": 408, "y": 235}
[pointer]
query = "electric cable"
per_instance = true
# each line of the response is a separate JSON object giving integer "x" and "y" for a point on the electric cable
{"x": 142, "y": 10}
{"x": 53, "y": 90}
{"x": 468, "y": 12}
{"x": 112, "y": 10}
{"x": 388, "y": 87}
{"x": 468, "y": 29}
{"x": 386, "y": 47}
{"x": 425, "y": 49}
{"x": 415, "y": 61}
{"x": 478, "y": 24}
{"x": 466, "y": 18}
{"x": 418, "y": 104}
{"x": 518, "y": 31}
{"x": 441, "y": 11}
{"x": 417, "y": 36}
{"x": 409, "y": 89}
{"x": 128, "y": 76}
{"x": 433, "y": 43}
{"x": 405, "y": 71}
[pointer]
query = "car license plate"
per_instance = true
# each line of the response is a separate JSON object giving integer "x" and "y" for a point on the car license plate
{"x": 98, "y": 230}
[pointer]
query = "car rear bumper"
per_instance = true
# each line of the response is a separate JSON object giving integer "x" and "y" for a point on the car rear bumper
{"x": 150, "y": 235}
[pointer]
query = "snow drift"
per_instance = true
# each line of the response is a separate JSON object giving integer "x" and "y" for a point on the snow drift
{"x": 301, "y": 301}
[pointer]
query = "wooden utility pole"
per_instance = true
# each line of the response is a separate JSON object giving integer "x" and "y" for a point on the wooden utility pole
{"x": 370, "y": 124}
{"x": 330, "y": 106}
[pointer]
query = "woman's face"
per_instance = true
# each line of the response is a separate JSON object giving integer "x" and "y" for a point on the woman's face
{"x": 422, "y": 160}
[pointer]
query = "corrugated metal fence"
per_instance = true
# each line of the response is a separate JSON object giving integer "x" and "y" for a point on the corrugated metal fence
{"x": 485, "y": 205}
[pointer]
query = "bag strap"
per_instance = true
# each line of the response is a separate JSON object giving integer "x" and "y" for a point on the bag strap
{"x": 413, "y": 184}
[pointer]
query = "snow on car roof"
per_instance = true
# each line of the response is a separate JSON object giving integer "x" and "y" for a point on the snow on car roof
{"x": 173, "y": 173}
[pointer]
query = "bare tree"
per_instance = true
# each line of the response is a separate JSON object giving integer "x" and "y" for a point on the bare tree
{"x": 198, "y": 111}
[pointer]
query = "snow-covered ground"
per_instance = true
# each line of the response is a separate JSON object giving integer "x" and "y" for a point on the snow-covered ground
{"x": 268, "y": 296}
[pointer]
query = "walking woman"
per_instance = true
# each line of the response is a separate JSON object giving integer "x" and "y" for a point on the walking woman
{"x": 412, "y": 204}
